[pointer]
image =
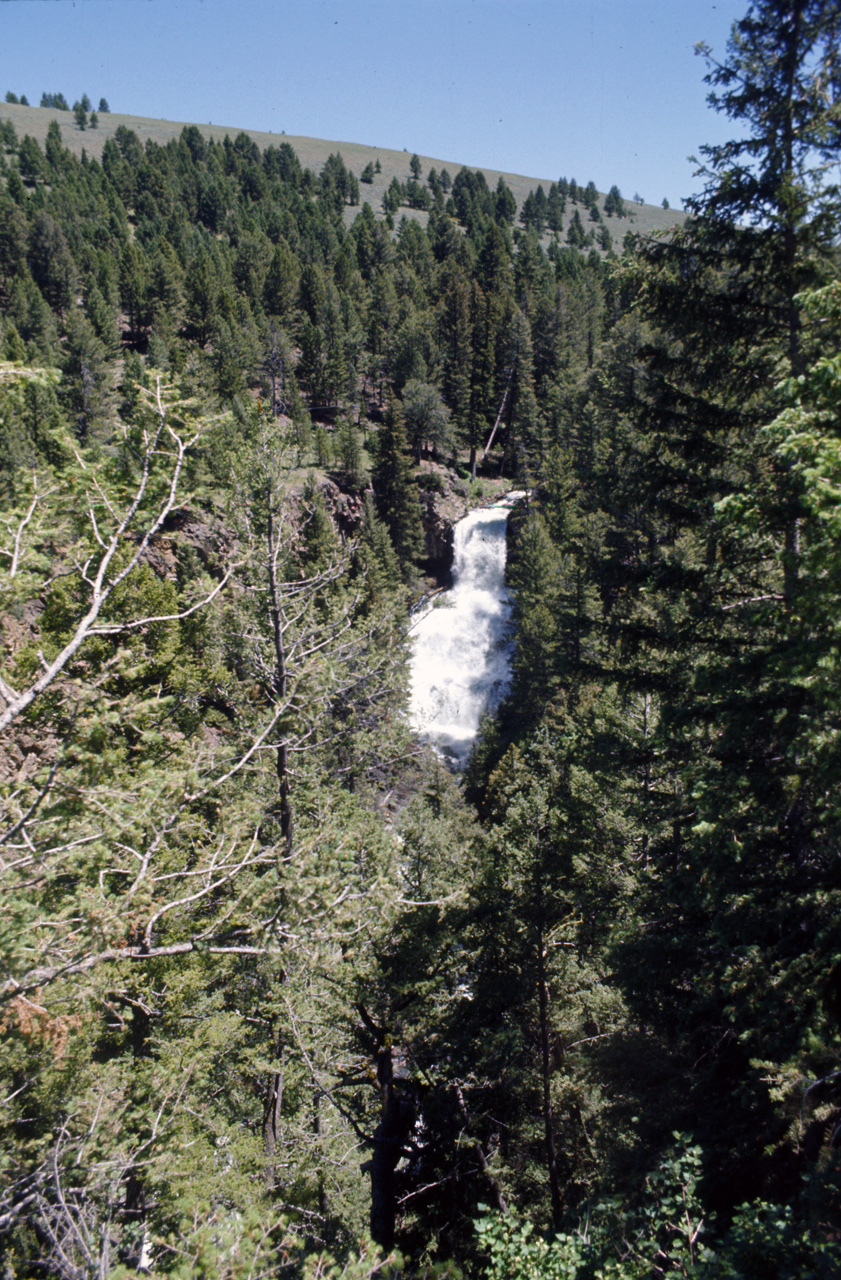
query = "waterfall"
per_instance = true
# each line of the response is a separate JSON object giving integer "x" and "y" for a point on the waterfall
{"x": 460, "y": 662}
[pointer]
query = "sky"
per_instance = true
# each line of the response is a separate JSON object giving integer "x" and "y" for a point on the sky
{"x": 603, "y": 90}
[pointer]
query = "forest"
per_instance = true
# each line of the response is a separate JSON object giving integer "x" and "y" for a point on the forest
{"x": 280, "y": 996}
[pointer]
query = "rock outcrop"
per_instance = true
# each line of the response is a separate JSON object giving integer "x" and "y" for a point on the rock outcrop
{"x": 443, "y": 498}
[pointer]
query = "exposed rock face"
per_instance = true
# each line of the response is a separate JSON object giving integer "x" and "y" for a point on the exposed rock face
{"x": 438, "y": 531}
{"x": 209, "y": 538}
{"x": 443, "y": 500}
{"x": 345, "y": 507}
{"x": 513, "y": 530}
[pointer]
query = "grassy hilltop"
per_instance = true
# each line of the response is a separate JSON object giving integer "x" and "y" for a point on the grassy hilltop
{"x": 313, "y": 153}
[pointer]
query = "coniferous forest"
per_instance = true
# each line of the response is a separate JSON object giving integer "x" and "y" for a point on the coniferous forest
{"x": 280, "y": 996}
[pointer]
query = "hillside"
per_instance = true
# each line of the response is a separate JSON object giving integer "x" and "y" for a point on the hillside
{"x": 313, "y": 153}
{"x": 274, "y": 984}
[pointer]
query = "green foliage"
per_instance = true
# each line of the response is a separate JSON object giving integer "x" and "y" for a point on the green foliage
{"x": 376, "y": 558}
{"x": 57, "y": 101}
{"x": 32, "y": 429}
{"x": 350, "y": 452}
{"x": 8, "y": 135}
{"x": 323, "y": 447}
{"x": 614, "y": 205}
{"x": 269, "y": 982}
{"x": 394, "y": 196}
{"x": 30, "y": 160}
{"x": 397, "y": 500}
{"x": 204, "y": 786}
{"x": 664, "y": 1234}
{"x": 427, "y": 418}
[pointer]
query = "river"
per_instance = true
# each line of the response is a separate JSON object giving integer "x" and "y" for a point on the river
{"x": 460, "y": 662}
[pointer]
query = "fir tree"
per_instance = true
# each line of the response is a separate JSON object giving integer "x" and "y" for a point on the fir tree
{"x": 398, "y": 505}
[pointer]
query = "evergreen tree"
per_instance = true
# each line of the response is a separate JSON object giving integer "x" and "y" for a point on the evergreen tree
{"x": 30, "y": 160}
{"x": 773, "y": 81}
{"x": 398, "y": 505}
{"x": 576, "y": 235}
{"x": 520, "y": 410}
{"x": 13, "y": 238}
{"x": 541, "y": 995}
{"x": 395, "y": 196}
{"x": 455, "y": 340}
{"x": 737, "y": 865}
{"x": 134, "y": 288}
{"x": 349, "y": 450}
{"x": 89, "y": 384}
{"x": 165, "y": 289}
{"x": 51, "y": 262}
{"x": 203, "y": 287}
{"x": 505, "y": 205}
{"x": 555, "y": 208}
{"x": 53, "y": 148}
{"x": 426, "y": 416}
{"x": 376, "y": 558}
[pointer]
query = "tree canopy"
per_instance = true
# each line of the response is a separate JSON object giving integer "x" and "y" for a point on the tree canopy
{"x": 278, "y": 994}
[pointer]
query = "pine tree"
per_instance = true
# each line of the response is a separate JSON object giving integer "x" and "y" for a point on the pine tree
{"x": 89, "y": 381}
{"x": 398, "y": 505}
{"x": 375, "y": 557}
{"x": 134, "y": 288}
{"x": 521, "y": 412}
{"x": 30, "y": 160}
{"x": 740, "y": 888}
{"x": 455, "y": 340}
{"x": 349, "y": 449}
{"x": 551, "y": 881}
{"x": 426, "y": 416}
{"x": 576, "y": 236}
{"x": 773, "y": 80}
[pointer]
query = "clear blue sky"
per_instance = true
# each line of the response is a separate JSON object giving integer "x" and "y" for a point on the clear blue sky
{"x": 608, "y": 90}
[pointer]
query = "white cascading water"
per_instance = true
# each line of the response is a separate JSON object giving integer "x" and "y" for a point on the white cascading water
{"x": 460, "y": 664}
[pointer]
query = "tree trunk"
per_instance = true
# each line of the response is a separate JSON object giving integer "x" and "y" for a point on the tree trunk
{"x": 546, "y": 1071}
{"x": 397, "y": 1115}
{"x": 480, "y": 1152}
{"x": 272, "y": 1111}
{"x": 134, "y": 1203}
{"x": 279, "y": 682}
